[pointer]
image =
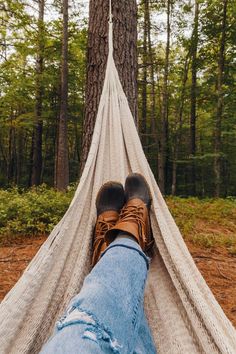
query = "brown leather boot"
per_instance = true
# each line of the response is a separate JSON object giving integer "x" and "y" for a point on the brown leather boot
{"x": 110, "y": 200}
{"x": 134, "y": 217}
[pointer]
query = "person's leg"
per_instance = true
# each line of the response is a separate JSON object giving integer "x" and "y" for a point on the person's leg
{"x": 106, "y": 315}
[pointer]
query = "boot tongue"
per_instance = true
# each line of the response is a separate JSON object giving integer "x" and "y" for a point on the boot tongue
{"x": 136, "y": 202}
{"x": 109, "y": 215}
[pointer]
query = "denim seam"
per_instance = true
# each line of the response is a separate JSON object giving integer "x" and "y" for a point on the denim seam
{"x": 129, "y": 247}
{"x": 137, "y": 305}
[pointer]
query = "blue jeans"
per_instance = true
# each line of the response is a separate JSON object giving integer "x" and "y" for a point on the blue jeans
{"x": 107, "y": 316}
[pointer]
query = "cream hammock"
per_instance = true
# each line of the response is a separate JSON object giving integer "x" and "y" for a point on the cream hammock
{"x": 182, "y": 312}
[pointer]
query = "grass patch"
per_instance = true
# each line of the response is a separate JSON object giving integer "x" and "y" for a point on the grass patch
{"x": 206, "y": 222}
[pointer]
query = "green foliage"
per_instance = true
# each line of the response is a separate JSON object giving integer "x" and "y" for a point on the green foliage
{"x": 180, "y": 61}
{"x": 33, "y": 211}
{"x": 19, "y": 34}
{"x": 206, "y": 222}
{"x": 20, "y": 37}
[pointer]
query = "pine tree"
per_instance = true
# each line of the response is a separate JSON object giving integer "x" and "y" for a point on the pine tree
{"x": 220, "y": 101}
{"x": 62, "y": 161}
{"x": 125, "y": 56}
{"x": 38, "y": 128}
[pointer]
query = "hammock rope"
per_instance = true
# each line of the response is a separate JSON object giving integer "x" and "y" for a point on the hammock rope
{"x": 182, "y": 312}
{"x": 110, "y": 11}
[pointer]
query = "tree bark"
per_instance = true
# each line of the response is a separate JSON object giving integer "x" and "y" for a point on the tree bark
{"x": 62, "y": 161}
{"x": 125, "y": 56}
{"x": 11, "y": 149}
{"x": 179, "y": 126}
{"x": 193, "y": 117}
{"x": 143, "y": 125}
{"x": 220, "y": 102}
{"x": 19, "y": 154}
{"x": 152, "y": 79}
{"x": 38, "y": 128}
{"x": 162, "y": 156}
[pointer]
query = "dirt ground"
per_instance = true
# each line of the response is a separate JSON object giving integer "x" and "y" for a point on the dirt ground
{"x": 217, "y": 266}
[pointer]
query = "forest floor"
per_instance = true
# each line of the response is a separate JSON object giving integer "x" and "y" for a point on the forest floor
{"x": 216, "y": 264}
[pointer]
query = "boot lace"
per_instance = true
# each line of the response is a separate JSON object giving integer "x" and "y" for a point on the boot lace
{"x": 102, "y": 227}
{"x": 135, "y": 213}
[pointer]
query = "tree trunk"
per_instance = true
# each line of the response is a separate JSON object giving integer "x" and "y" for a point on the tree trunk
{"x": 19, "y": 154}
{"x": 194, "y": 45}
{"x": 38, "y": 129}
{"x": 62, "y": 161}
{"x": 220, "y": 97}
{"x": 125, "y": 56}
{"x": 11, "y": 151}
{"x": 162, "y": 156}
{"x": 179, "y": 126}
{"x": 143, "y": 125}
{"x": 152, "y": 79}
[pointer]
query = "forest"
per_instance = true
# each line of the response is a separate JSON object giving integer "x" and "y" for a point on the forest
{"x": 182, "y": 82}
{"x": 176, "y": 64}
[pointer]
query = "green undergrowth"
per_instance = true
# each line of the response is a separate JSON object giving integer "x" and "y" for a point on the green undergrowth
{"x": 206, "y": 222}
{"x": 35, "y": 211}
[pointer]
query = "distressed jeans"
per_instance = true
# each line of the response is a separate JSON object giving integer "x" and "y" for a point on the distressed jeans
{"x": 107, "y": 316}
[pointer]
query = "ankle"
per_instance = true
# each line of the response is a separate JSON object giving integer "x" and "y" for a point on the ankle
{"x": 123, "y": 234}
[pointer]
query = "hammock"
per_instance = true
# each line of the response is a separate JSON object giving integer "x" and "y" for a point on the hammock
{"x": 182, "y": 312}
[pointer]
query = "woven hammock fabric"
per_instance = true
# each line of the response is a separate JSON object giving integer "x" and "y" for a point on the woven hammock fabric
{"x": 182, "y": 312}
